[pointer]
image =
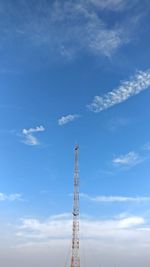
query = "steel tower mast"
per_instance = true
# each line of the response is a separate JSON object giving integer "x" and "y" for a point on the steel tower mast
{"x": 75, "y": 257}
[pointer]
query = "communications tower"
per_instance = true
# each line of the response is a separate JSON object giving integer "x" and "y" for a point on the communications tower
{"x": 75, "y": 257}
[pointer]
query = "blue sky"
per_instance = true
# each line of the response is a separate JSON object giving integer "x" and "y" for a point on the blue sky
{"x": 74, "y": 72}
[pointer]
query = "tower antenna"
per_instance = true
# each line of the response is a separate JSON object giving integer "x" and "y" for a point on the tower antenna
{"x": 75, "y": 257}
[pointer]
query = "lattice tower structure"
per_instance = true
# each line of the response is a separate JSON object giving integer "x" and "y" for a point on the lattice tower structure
{"x": 75, "y": 257}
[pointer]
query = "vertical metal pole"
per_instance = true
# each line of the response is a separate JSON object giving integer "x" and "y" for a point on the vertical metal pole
{"x": 75, "y": 258}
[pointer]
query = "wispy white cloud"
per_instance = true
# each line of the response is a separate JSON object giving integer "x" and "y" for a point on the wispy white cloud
{"x": 147, "y": 146}
{"x": 131, "y": 222}
{"x": 11, "y": 197}
{"x": 92, "y": 34}
{"x": 28, "y": 134}
{"x": 67, "y": 27}
{"x": 66, "y": 119}
{"x": 138, "y": 83}
{"x": 52, "y": 227}
{"x": 130, "y": 159}
{"x": 116, "y": 123}
{"x": 114, "y": 198}
{"x": 115, "y": 5}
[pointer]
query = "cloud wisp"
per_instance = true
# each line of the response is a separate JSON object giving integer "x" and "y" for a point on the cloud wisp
{"x": 138, "y": 83}
{"x": 130, "y": 159}
{"x": 28, "y": 135}
{"x": 52, "y": 227}
{"x": 66, "y": 27}
{"x": 146, "y": 147}
{"x": 115, "y": 5}
{"x": 11, "y": 197}
{"x": 114, "y": 199}
{"x": 66, "y": 119}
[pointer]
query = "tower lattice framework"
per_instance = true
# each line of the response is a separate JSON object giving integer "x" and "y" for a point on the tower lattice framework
{"x": 75, "y": 257}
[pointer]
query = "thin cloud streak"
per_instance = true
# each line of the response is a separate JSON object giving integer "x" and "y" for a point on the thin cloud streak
{"x": 114, "y": 199}
{"x": 115, "y": 5}
{"x": 130, "y": 159}
{"x": 28, "y": 135}
{"x": 147, "y": 146}
{"x": 66, "y": 119}
{"x": 11, "y": 197}
{"x": 138, "y": 83}
{"x": 66, "y": 27}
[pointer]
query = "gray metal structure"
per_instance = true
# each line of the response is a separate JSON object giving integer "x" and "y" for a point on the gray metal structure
{"x": 75, "y": 257}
